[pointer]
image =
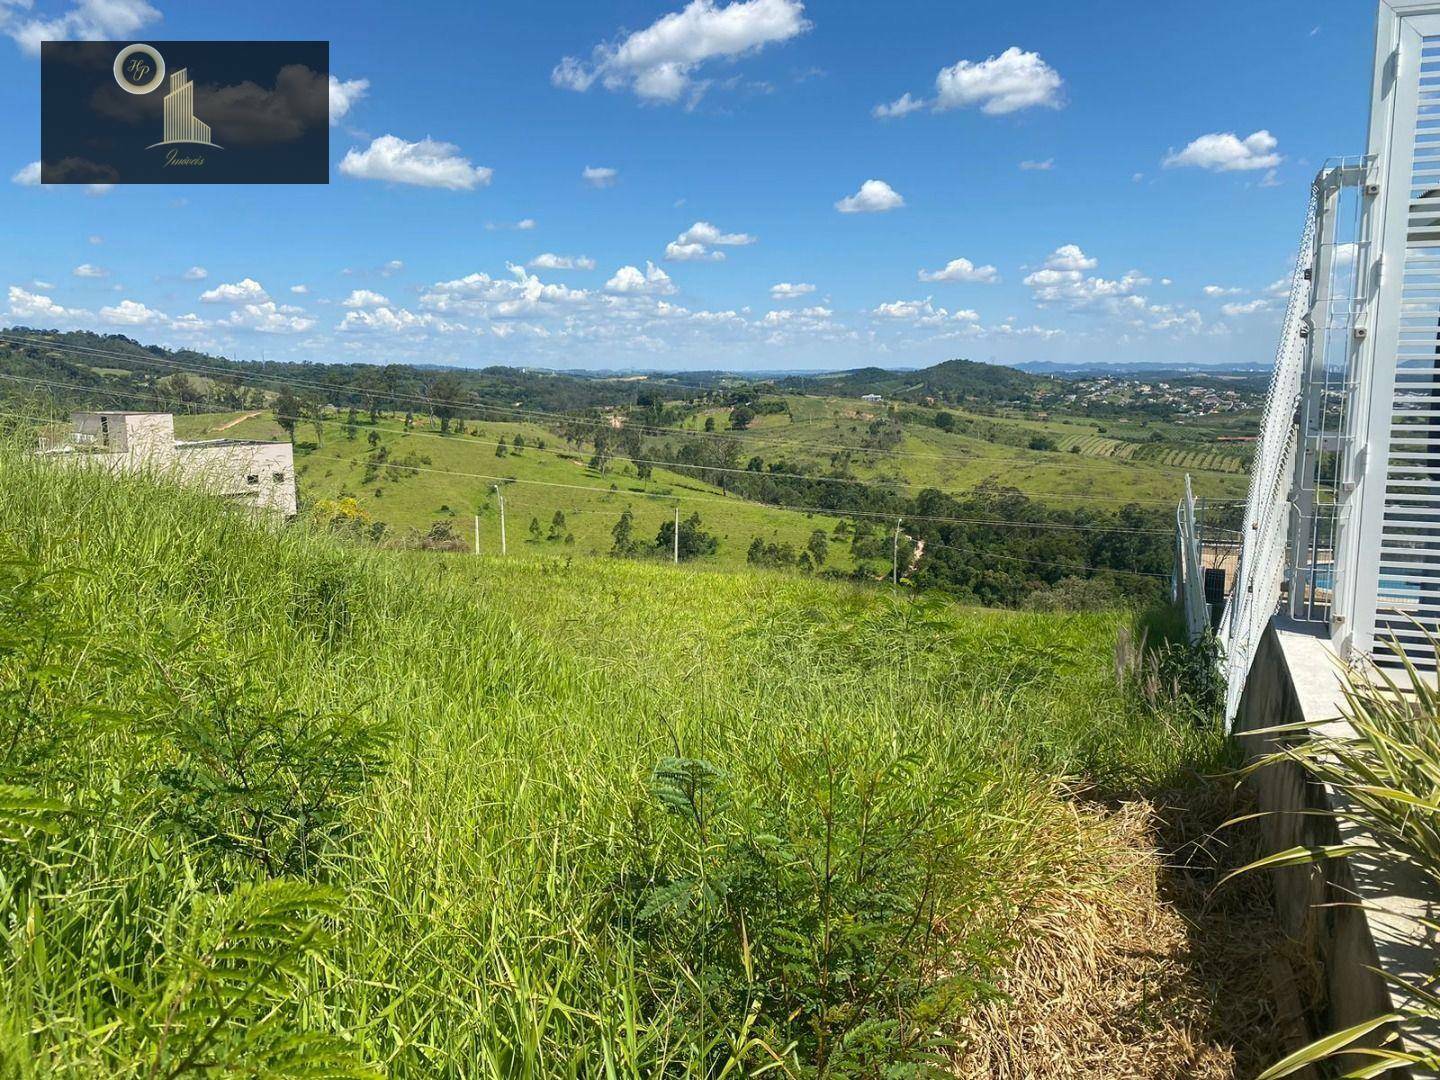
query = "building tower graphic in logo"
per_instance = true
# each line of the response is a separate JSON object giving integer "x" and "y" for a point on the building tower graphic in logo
{"x": 181, "y": 123}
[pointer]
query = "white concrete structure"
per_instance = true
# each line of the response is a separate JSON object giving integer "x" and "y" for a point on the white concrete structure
{"x": 259, "y": 475}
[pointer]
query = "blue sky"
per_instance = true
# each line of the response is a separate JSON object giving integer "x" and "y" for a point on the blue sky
{"x": 755, "y": 184}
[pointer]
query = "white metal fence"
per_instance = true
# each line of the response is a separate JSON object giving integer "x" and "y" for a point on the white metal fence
{"x": 1261, "y": 570}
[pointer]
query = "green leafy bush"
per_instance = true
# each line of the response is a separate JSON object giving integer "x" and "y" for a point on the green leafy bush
{"x": 249, "y": 774}
{"x": 837, "y": 915}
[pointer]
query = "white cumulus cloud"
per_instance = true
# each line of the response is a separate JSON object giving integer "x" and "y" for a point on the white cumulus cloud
{"x": 1247, "y": 307}
{"x": 27, "y": 306}
{"x": 383, "y": 320}
{"x": 344, "y": 95}
{"x": 364, "y": 298}
{"x": 1007, "y": 83}
{"x": 246, "y": 290}
{"x": 1227, "y": 152}
{"x": 874, "y": 197}
{"x": 427, "y": 163}
{"x": 550, "y": 261}
{"x": 132, "y": 313}
{"x": 904, "y": 105}
{"x": 923, "y": 312}
{"x": 659, "y": 63}
{"x": 962, "y": 270}
{"x": 600, "y": 176}
{"x": 478, "y": 294}
{"x": 997, "y": 85}
{"x": 196, "y": 273}
{"x": 86, "y": 20}
{"x": 678, "y": 252}
{"x": 269, "y": 318}
{"x": 696, "y": 242}
{"x": 785, "y": 290}
{"x": 85, "y": 270}
{"x": 1070, "y": 257}
{"x": 629, "y": 281}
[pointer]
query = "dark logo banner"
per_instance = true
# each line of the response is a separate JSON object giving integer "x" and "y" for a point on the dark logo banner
{"x": 185, "y": 112}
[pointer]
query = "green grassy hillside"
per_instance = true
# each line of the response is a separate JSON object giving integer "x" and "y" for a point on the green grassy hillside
{"x": 272, "y": 804}
{"x": 452, "y": 478}
{"x": 1091, "y": 460}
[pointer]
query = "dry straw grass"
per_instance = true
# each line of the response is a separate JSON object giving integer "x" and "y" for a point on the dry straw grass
{"x": 1133, "y": 967}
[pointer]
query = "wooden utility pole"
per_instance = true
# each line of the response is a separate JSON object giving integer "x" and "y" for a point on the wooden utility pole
{"x": 895, "y": 557}
{"x": 501, "y": 496}
{"x": 677, "y": 534}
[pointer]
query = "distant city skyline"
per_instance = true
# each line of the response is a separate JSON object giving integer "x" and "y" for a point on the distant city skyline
{"x": 754, "y": 185}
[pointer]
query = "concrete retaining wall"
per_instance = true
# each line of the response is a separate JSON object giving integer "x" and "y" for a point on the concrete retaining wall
{"x": 1296, "y": 679}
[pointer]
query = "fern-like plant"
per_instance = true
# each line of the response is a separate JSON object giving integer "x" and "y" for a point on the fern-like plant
{"x": 228, "y": 999}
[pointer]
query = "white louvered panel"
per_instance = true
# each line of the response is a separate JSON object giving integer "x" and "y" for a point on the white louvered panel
{"x": 1407, "y": 599}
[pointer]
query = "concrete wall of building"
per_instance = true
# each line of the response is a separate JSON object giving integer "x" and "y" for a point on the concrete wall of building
{"x": 261, "y": 475}
{"x": 1354, "y": 921}
{"x": 146, "y": 434}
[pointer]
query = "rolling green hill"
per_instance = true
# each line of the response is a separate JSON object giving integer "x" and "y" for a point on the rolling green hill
{"x": 816, "y": 480}
{"x": 427, "y": 478}
{"x": 419, "y": 484}
{"x": 952, "y": 381}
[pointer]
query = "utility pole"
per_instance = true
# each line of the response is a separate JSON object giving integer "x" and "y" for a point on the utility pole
{"x": 501, "y": 496}
{"x": 895, "y": 557}
{"x": 677, "y": 534}
{"x": 477, "y": 534}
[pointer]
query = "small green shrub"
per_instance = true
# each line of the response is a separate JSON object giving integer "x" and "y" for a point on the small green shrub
{"x": 249, "y": 774}
{"x": 833, "y": 914}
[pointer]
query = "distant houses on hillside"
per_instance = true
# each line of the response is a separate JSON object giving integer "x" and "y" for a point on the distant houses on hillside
{"x": 258, "y": 475}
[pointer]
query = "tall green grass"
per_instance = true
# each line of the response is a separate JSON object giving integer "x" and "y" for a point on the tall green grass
{"x": 274, "y": 806}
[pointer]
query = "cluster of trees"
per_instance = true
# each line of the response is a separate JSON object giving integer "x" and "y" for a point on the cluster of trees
{"x": 955, "y": 381}
{"x": 694, "y": 541}
{"x": 746, "y": 407}
{"x": 557, "y": 533}
{"x": 884, "y": 433}
{"x": 782, "y": 554}
{"x": 135, "y": 374}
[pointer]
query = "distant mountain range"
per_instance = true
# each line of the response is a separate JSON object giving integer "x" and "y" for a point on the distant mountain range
{"x": 1150, "y": 369}
{"x": 82, "y": 366}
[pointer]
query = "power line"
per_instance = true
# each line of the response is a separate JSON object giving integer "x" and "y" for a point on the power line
{"x": 825, "y": 511}
{"x": 755, "y": 437}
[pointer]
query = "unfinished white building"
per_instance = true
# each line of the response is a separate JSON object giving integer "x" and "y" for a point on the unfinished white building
{"x": 258, "y": 475}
